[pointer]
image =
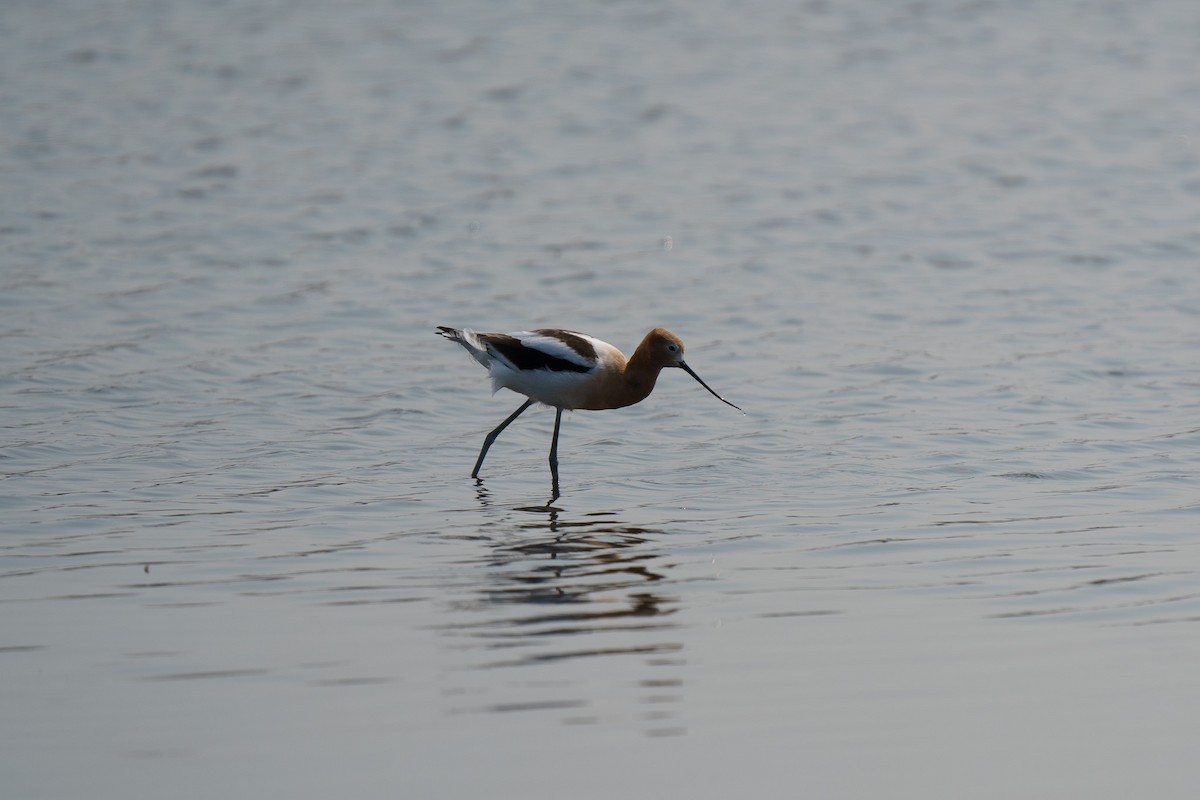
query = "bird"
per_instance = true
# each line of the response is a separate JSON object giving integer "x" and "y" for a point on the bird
{"x": 569, "y": 370}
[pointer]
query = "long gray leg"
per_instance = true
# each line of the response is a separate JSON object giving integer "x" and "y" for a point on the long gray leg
{"x": 491, "y": 437}
{"x": 554, "y": 455}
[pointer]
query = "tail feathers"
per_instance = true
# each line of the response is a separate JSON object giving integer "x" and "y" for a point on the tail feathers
{"x": 469, "y": 340}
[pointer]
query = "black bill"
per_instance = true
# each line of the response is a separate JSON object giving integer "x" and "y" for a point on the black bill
{"x": 689, "y": 371}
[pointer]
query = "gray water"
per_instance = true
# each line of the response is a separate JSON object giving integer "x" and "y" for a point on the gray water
{"x": 945, "y": 254}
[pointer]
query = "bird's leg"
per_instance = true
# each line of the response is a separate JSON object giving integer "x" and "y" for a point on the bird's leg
{"x": 554, "y": 456}
{"x": 491, "y": 437}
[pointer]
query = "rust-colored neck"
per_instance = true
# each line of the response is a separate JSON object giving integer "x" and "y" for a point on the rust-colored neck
{"x": 624, "y": 382}
{"x": 641, "y": 372}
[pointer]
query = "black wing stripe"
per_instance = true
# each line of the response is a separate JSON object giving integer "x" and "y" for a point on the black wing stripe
{"x": 572, "y": 340}
{"x": 528, "y": 358}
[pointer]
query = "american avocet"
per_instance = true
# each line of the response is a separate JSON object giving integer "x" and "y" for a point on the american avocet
{"x": 565, "y": 369}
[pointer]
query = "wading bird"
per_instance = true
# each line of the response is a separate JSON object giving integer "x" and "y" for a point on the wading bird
{"x": 569, "y": 370}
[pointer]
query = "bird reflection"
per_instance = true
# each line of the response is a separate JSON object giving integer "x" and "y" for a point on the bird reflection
{"x": 562, "y": 588}
{"x": 567, "y": 562}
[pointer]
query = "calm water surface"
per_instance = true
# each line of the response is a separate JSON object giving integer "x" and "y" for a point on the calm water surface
{"x": 946, "y": 255}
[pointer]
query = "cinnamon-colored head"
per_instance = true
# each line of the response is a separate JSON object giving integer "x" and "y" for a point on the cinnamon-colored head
{"x": 662, "y": 348}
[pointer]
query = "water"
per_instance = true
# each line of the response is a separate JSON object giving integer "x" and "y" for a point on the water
{"x": 944, "y": 255}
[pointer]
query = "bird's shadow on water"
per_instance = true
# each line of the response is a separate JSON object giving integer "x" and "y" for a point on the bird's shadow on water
{"x": 557, "y": 587}
{"x": 483, "y": 496}
{"x": 552, "y": 549}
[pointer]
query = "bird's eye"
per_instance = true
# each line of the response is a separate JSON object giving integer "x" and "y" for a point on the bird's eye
{"x": 672, "y": 348}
